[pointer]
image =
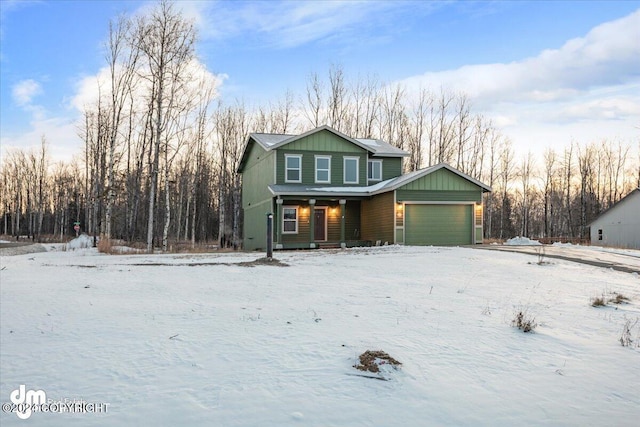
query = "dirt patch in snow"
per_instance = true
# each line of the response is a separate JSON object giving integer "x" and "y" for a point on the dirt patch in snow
{"x": 260, "y": 261}
{"x": 371, "y": 360}
{"x": 263, "y": 261}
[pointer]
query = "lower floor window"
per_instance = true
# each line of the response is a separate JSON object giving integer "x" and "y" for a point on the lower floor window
{"x": 290, "y": 219}
{"x": 600, "y": 234}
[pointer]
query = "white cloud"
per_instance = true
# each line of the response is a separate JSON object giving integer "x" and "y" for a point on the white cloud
{"x": 89, "y": 88}
{"x": 61, "y": 135}
{"x": 586, "y": 89}
{"x": 604, "y": 108}
{"x": 608, "y": 54}
{"x": 287, "y": 24}
{"x": 61, "y": 127}
{"x": 24, "y": 91}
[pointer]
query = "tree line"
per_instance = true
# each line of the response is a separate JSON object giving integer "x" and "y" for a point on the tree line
{"x": 161, "y": 150}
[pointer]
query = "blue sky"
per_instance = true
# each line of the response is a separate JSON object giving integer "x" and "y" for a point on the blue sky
{"x": 545, "y": 72}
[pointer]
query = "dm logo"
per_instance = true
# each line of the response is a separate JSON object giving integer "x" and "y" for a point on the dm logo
{"x": 25, "y": 400}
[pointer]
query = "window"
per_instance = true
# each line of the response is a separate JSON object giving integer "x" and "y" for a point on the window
{"x": 351, "y": 170}
{"x": 374, "y": 170}
{"x": 290, "y": 220}
{"x": 293, "y": 168}
{"x": 323, "y": 169}
{"x": 478, "y": 215}
{"x": 600, "y": 234}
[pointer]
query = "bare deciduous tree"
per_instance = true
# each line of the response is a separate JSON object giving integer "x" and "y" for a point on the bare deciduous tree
{"x": 122, "y": 59}
{"x": 166, "y": 41}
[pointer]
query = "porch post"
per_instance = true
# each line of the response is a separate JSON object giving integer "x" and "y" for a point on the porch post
{"x": 312, "y": 223}
{"x": 278, "y": 223}
{"x": 343, "y": 243}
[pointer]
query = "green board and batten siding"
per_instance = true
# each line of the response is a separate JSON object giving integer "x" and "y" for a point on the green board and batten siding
{"x": 391, "y": 166}
{"x": 439, "y": 210}
{"x": 257, "y": 174}
{"x": 255, "y": 226}
{"x": 440, "y": 186}
{"x": 323, "y": 143}
{"x": 309, "y": 167}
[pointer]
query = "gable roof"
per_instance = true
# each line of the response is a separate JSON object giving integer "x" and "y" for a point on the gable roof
{"x": 371, "y": 190}
{"x": 615, "y": 205}
{"x": 272, "y": 141}
{"x": 401, "y": 180}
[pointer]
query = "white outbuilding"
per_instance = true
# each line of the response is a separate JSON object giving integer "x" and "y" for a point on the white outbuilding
{"x": 619, "y": 226}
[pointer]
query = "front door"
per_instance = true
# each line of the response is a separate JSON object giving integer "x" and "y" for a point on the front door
{"x": 320, "y": 224}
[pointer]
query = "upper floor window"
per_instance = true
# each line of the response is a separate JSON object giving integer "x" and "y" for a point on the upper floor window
{"x": 293, "y": 168}
{"x": 351, "y": 166}
{"x": 374, "y": 170}
{"x": 323, "y": 169}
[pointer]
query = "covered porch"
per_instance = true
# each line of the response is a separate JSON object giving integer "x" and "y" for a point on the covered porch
{"x": 320, "y": 222}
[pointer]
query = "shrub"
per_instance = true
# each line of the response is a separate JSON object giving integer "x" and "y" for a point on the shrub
{"x": 541, "y": 254}
{"x": 601, "y": 301}
{"x": 625, "y": 338}
{"x": 619, "y": 299}
{"x": 371, "y": 360}
{"x": 105, "y": 246}
{"x": 524, "y": 321}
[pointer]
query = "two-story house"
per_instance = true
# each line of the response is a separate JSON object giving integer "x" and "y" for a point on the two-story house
{"x": 327, "y": 189}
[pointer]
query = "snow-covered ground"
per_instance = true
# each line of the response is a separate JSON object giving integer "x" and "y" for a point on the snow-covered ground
{"x": 205, "y": 340}
{"x": 628, "y": 252}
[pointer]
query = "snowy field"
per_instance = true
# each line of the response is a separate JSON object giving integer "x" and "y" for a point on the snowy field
{"x": 215, "y": 340}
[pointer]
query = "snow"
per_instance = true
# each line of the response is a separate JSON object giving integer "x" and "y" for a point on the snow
{"x": 201, "y": 339}
{"x": 369, "y": 142}
{"x": 83, "y": 241}
{"x": 20, "y": 250}
{"x": 628, "y": 252}
{"x": 521, "y": 241}
{"x": 367, "y": 189}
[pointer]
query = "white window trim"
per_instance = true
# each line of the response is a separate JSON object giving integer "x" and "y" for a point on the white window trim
{"x": 318, "y": 181}
{"x": 297, "y": 209}
{"x": 344, "y": 172}
{"x": 286, "y": 169}
{"x": 374, "y": 179}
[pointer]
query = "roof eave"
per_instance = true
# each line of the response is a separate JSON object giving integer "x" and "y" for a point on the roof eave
{"x": 312, "y": 194}
{"x": 245, "y": 151}
{"x": 399, "y": 155}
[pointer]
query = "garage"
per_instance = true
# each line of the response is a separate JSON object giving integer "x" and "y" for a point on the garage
{"x": 438, "y": 224}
